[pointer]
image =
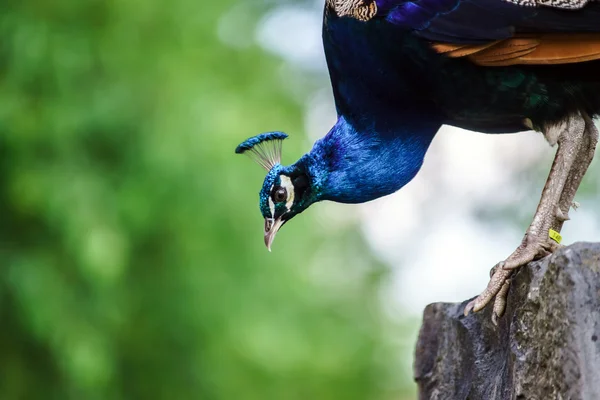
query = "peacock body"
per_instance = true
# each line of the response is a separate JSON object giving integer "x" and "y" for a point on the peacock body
{"x": 401, "y": 69}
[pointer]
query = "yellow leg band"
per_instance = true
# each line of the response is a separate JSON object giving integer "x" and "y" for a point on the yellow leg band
{"x": 555, "y": 236}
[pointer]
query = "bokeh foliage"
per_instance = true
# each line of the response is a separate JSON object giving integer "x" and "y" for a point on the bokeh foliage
{"x": 132, "y": 263}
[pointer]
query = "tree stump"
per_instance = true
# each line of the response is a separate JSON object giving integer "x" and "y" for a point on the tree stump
{"x": 546, "y": 346}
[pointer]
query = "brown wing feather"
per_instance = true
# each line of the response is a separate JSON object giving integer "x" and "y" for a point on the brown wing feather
{"x": 460, "y": 50}
{"x": 529, "y": 49}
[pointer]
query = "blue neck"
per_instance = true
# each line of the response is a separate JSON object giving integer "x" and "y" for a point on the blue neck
{"x": 386, "y": 120}
{"x": 355, "y": 164}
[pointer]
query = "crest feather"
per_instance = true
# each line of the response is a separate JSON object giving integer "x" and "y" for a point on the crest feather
{"x": 265, "y": 148}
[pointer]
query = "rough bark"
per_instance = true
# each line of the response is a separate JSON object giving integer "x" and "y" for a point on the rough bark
{"x": 546, "y": 346}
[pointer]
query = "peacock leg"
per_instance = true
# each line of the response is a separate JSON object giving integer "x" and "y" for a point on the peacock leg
{"x": 578, "y": 170}
{"x": 580, "y": 166}
{"x": 536, "y": 243}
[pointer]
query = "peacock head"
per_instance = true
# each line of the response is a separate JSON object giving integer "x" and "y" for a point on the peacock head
{"x": 286, "y": 191}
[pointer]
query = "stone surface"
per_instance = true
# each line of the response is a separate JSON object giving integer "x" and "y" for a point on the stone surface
{"x": 546, "y": 346}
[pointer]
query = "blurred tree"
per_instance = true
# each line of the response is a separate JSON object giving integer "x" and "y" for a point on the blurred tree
{"x": 130, "y": 237}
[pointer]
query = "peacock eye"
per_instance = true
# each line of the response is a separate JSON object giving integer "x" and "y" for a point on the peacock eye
{"x": 280, "y": 195}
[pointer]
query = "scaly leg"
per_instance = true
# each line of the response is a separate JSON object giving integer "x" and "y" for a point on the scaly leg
{"x": 580, "y": 166}
{"x": 536, "y": 242}
{"x": 578, "y": 170}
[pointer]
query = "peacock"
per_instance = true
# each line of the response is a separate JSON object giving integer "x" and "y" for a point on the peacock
{"x": 399, "y": 70}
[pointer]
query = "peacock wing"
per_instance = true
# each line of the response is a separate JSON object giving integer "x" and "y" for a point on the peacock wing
{"x": 493, "y": 32}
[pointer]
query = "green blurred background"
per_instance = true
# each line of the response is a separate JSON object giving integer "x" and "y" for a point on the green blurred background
{"x": 132, "y": 262}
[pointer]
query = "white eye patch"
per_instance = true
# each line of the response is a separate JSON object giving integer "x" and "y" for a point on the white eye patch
{"x": 287, "y": 184}
{"x": 271, "y": 204}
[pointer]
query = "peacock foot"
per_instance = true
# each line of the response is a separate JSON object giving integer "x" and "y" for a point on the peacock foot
{"x": 533, "y": 247}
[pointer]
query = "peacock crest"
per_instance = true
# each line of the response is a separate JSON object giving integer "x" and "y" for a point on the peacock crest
{"x": 362, "y": 10}
{"x": 265, "y": 149}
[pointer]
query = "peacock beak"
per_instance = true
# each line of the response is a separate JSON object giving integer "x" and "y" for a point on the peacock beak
{"x": 271, "y": 228}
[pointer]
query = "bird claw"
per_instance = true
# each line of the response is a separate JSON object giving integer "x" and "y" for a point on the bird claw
{"x": 531, "y": 248}
{"x": 469, "y": 307}
{"x": 500, "y": 302}
{"x": 497, "y": 286}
